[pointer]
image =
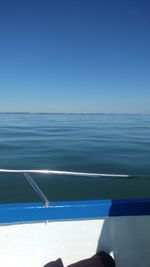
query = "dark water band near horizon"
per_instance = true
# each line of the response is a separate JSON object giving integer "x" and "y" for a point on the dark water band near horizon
{"x": 100, "y": 143}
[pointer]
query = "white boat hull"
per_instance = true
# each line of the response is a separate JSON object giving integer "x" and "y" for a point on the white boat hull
{"x": 35, "y": 244}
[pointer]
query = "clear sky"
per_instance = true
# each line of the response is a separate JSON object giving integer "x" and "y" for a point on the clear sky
{"x": 75, "y": 56}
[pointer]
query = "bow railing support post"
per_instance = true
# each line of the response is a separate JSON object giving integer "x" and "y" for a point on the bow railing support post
{"x": 37, "y": 189}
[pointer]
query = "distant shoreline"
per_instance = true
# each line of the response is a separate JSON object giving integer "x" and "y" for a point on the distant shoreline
{"x": 68, "y": 113}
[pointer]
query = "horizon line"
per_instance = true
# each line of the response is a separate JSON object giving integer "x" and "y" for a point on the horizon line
{"x": 68, "y": 113}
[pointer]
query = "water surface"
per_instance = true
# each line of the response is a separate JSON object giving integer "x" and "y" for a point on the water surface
{"x": 88, "y": 143}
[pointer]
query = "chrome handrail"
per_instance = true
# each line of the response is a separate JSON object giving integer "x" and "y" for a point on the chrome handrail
{"x": 88, "y": 174}
{"x": 39, "y": 192}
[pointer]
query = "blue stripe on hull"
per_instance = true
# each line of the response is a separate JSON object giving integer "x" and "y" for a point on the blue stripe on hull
{"x": 72, "y": 210}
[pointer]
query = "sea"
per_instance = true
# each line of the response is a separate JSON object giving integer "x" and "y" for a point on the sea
{"x": 99, "y": 143}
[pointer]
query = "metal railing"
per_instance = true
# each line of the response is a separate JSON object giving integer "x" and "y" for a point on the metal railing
{"x": 45, "y": 201}
{"x": 89, "y": 174}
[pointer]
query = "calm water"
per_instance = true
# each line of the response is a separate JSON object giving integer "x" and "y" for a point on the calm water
{"x": 88, "y": 143}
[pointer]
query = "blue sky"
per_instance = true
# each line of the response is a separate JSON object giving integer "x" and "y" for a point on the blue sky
{"x": 75, "y": 56}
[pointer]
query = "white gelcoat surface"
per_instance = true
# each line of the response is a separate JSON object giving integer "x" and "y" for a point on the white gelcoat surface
{"x": 35, "y": 244}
